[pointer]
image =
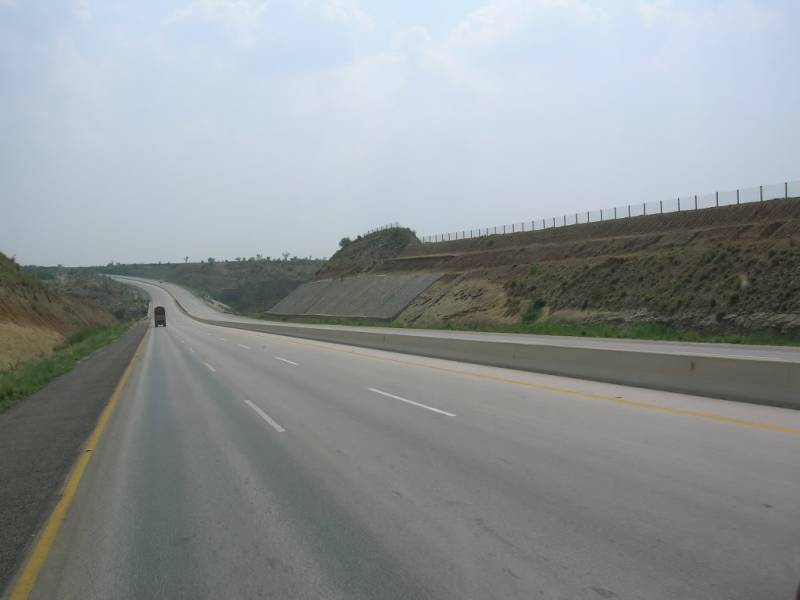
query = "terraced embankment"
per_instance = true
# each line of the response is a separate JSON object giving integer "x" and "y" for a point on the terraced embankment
{"x": 734, "y": 269}
{"x": 373, "y": 297}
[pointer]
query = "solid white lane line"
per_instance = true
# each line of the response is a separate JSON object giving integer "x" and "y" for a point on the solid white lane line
{"x": 243, "y": 346}
{"x": 210, "y": 368}
{"x": 286, "y": 360}
{"x": 265, "y": 416}
{"x": 425, "y": 406}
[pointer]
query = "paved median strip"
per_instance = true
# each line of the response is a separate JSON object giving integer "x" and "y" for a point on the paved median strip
{"x": 286, "y": 360}
{"x": 407, "y": 401}
{"x": 265, "y": 416}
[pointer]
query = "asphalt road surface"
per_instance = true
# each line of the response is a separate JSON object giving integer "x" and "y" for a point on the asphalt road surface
{"x": 246, "y": 465}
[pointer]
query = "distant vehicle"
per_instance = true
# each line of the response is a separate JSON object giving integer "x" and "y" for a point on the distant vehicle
{"x": 160, "y": 315}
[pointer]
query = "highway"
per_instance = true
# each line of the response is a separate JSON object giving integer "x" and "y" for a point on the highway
{"x": 201, "y": 309}
{"x": 240, "y": 464}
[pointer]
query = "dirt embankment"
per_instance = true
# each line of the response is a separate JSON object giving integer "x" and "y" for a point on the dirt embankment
{"x": 735, "y": 268}
{"x": 34, "y": 318}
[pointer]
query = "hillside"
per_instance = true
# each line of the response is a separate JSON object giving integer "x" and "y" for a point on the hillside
{"x": 246, "y": 286}
{"x": 122, "y": 301}
{"x": 35, "y": 318}
{"x": 731, "y": 269}
{"x": 369, "y": 253}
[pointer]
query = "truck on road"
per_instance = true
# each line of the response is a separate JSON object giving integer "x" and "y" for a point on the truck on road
{"x": 160, "y": 316}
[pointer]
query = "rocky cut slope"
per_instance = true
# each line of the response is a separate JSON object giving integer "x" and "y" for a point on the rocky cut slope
{"x": 730, "y": 269}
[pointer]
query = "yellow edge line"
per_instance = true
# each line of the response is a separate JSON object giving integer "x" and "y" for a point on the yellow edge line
{"x": 30, "y": 572}
{"x": 559, "y": 390}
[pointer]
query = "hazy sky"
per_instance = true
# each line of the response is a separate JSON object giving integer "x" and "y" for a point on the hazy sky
{"x": 145, "y": 131}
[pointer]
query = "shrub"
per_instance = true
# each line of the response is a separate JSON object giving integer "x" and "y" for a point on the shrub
{"x": 534, "y": 311}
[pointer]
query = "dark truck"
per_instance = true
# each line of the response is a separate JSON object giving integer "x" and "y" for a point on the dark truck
{"x": 160, "y": 315}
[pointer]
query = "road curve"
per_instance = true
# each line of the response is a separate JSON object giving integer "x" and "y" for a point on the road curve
{"x": 247, "y": 465}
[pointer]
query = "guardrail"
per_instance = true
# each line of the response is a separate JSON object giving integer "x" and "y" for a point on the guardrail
{"x": 761, "y": 193}
{"x": 757, "y": 381}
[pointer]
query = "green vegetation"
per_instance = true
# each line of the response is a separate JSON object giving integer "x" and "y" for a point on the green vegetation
{"x": 533, "y": 312}
{"x": 248, "y": 285}
{"x": 11, "y": 274}
{"x": 634, "y": 331}
{"x": 33, "y": 375}
{"x": 126, "y": 303}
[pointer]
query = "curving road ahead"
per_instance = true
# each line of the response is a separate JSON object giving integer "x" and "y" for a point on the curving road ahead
{"x": 247, "y": 465}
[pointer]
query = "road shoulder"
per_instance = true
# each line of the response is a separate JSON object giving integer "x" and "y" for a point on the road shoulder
{"x": 41, "y": 437}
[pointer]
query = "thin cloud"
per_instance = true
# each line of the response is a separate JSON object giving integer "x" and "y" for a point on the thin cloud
{"x": 242, "y": 18}
{"x": 499, "y": 19}
{"x": 729, "y": 16}
{"x": 349, "y": 13}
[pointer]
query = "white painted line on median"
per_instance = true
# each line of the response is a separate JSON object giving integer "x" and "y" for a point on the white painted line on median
{"x": 286, "y": 360}
{"x": 425, "y": 406}
{"x": 265, "y": 416}
{"x": 210, "y": 368}
{"x": 243, "y": 346}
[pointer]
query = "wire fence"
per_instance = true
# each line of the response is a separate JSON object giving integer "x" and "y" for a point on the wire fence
{"x": 394, "y": 225}
{"x": 761, "y": 193}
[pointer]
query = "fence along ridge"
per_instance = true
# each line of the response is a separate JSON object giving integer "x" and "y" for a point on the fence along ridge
{"x": 761, "y": 193}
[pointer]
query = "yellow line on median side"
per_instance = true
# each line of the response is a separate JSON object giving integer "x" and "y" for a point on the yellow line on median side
{"x": 560, "y": 390}
{"x": 30, "y": 572}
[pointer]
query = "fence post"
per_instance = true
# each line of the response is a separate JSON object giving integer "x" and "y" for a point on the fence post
{"x": 504, "y": 228}
{"x": 717, "y": 200}
{"x": 761, "y": 193}
{"x": 554, "y": 221}
{"x": 565, "y": 220}
{"x": 544, "y": 225}
{"x": 786, "y": 190}
{"x": 512, "y": 228}
{"x": 644, "y": 208}
{"x": 629, "y": 210}
{"x": 601, "y": 214}
{"x": 576, "y": 218}
{"x": 661, "y": 206}
{"x": 737, "y": 196}
{"x": 588, "y": 220}
{"x": 695, "y": 201}
{"x": 679, "y": 204}
{"x": 615, "y": 213}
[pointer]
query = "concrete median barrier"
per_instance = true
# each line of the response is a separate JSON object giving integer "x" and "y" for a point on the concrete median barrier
{"x": 758, "y": 381}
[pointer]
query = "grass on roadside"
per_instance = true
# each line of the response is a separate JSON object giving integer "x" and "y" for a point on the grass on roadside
{"x": 634, "y": 331}
{"x": 29, "y": 377}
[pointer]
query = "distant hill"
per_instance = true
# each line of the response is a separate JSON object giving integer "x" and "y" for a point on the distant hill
{"x": 249, "y": 286}
{"x": 34, "y": 317}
